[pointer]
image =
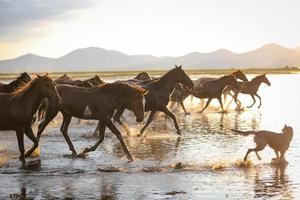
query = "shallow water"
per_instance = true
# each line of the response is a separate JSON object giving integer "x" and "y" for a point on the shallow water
{"x": 203, "y": 163}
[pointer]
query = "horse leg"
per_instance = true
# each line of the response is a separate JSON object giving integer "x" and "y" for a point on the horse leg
{"x": 254, "y": 101}
{"x": 30, "y": 135}
{"x": 207, "y": 103}
{"x": 259, "y": 100}
{"x": 170, "y": 114}
{"x": 64, "y": 130}
{"x": 117, "y": 133}
{"x": 101, "y": 138}
{"x": 96, "y": 131}
{"x": 221, "y": 104}
{"x": 48, "y": 117}
{"x": 149, "y": 120}
{"x": 20, "y": 137}
{"x": 182, "y": 105}
{"x": 117, "y": 118}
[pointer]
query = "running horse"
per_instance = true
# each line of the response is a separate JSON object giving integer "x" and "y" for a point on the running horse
{"x": 158, "y": 94}
{"x": 97, "y": 103}
{"x": 250, "y": 88}
{"x": 65, "y": 79}
{"x": 180, "y": 92}
{"x": 213, "y": 88}
{"x": 17, "y": 109}
{"x": 15, "y": 84}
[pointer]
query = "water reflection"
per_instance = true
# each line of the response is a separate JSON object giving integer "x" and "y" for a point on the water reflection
{"x": 274, "y": 183}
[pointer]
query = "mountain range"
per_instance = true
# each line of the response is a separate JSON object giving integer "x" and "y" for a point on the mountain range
{"x": 98, "y": 59}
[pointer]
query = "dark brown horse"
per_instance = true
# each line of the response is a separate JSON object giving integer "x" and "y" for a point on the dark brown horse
{"x": 180, "y": 93}
{"x": 250, "y": 88}
{"x": 211, "y": 89}
{"x": 17, "y": 109}
{"x": 97, "y": 103}
{"x": 15, "y": 84}
{"x": 157, "y": 97}
{"x": 65, "y": 79}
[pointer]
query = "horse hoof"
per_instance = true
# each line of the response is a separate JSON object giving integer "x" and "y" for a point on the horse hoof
{"x": 130, "y": 158}
{"x": 188, "y": 113}
{"x": 179, "y": 133}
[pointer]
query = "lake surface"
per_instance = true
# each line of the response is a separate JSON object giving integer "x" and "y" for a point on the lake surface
{"x": 203, "y": 163}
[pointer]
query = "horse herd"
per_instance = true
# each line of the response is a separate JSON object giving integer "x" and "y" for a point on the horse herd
{"x": 25, "y": 98}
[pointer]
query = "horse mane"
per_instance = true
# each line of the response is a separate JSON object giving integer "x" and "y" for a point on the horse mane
{"x": 257, "y": 77}
{"x": 18, "y": 82}
{"x": 21, "y": 91}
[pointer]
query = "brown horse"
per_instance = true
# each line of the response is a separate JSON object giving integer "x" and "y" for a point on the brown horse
{"x": 97, "y": 103}
{"x": 158, "y": 95}
{"x": 250, "y": 88}
{"x": 15, "y": 84}
{"x": 17, "y": 109}
{"x": 65, "y": 79}
{"x": 213, "y": 88}
{"x": 143, "y": 76}
{"x": 180, "y": 93}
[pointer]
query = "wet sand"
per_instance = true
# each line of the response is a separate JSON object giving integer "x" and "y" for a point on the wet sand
{"x": 203, "y": 163}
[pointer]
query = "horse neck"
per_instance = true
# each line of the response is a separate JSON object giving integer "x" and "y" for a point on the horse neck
{"x": 31, "y": 100}
{"x": 168, "y": 82}
{"x": 223, "y": 82}
{"x": 256, "y": 82}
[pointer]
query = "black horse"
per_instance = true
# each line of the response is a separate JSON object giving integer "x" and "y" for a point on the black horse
{"x": 157, "y": 97}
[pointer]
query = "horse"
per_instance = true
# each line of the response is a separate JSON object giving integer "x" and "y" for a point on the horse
{"x": 143, "y": 76}
{"x": 213, "y": 89}
{"x": 97, "y": 103}
{"x": 17, "y": 109}
{"x": 250, "y": 88}
{"x": 65, "y": 79}
{"x": 15, "y": 84}
{"x": 158, "y": 94}
{"x": 180, "y": 93}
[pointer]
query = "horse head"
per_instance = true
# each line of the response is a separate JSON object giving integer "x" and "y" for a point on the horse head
{"x": 137, "y": 101}
{"x": 182, "y": 77}
{"x": 238, "y": 74}
{"x": 263, "y": 78}
{"x": 96, "y": 80}
{"x": 143, "y": 76}
{"x": 47, "y": 87}
{"x": 231, "y": 80}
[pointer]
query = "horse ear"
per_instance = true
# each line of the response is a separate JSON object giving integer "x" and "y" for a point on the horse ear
{"x": 176, "y": 66}
{"x": 180, "y": 66}
{"x": 38, "y": 76}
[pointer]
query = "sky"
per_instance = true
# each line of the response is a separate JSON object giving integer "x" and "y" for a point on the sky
{"x": 53, "y": 28}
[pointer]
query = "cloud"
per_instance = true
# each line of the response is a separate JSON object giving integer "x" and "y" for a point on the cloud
{"x": 19, "y": 17}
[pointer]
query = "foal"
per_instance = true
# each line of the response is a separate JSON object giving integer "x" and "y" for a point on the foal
{"x": 17, "y": 109}
{"x": 97, "y": 103}
{"x": 250, "y": 88}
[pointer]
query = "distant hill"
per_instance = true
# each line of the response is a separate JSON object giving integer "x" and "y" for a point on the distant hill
{"x": 98, "y": 59}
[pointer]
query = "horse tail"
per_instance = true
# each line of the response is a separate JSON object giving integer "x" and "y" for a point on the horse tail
{"x": 244, "y": 133}
{"x": 41, "y": 110}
